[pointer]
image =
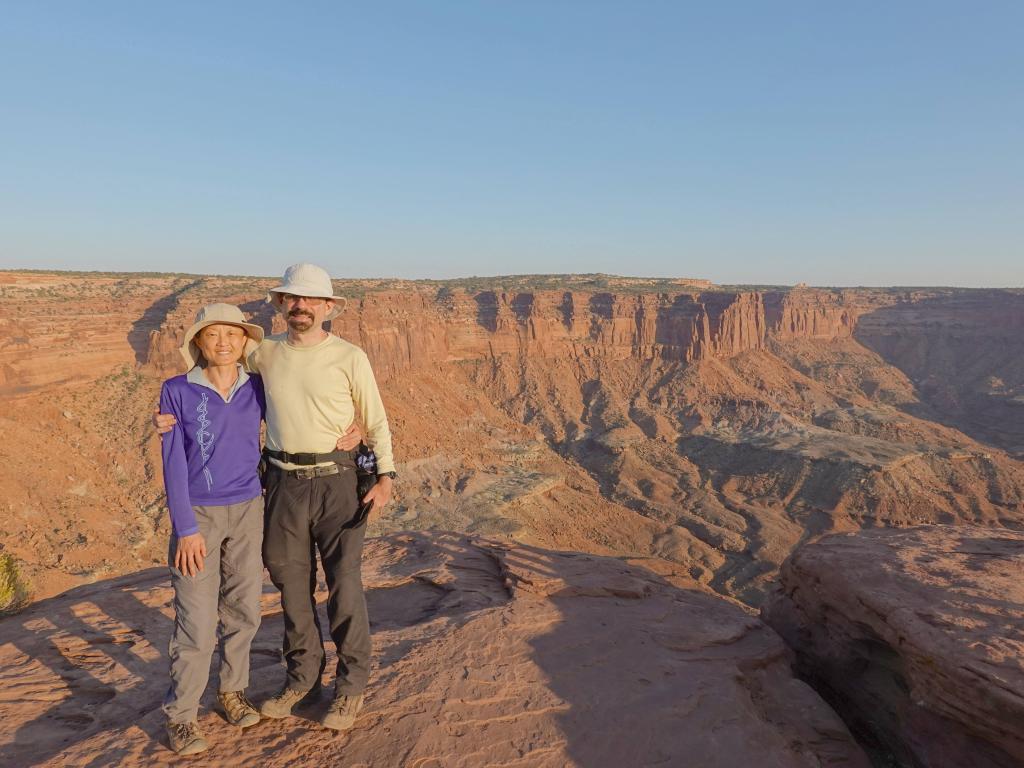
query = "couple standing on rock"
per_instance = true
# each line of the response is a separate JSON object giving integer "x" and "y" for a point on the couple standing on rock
{"x": 310, "y": 387}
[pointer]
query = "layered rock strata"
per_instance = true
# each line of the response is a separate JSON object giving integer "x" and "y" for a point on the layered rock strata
{"x": 715, "y": 429}
{"x": 411, "y": 330}
{"x": 917, "y": 637}
{"x": 58, "y": 330}
{"x": 964, "y": 352}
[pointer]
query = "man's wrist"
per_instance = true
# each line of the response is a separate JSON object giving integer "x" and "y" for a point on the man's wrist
{"x": 390, "y": 475}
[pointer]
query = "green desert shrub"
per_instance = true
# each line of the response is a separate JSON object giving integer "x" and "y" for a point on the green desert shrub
{"x": 14, "y": 589}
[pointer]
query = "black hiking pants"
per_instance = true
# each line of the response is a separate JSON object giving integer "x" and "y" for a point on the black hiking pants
{"x": 303, "y": 516}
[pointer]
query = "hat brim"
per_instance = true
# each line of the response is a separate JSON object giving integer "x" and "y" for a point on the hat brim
{"x": 190, "y": 351}
{"x": 340, "y": 302}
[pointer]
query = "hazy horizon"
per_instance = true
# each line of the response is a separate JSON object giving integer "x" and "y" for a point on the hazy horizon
{"x": 749, "y": 145}
{"x": 521, "y": 275}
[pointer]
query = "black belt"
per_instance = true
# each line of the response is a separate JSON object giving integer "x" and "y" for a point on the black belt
{"x": 308, "y": 473}
{"x": 308, "y": 459}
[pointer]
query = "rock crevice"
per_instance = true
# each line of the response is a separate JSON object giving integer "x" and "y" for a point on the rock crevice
{"x": 916, "y": 636}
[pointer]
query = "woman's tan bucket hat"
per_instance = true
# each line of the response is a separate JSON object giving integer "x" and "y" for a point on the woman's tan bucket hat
{"x": 309, "y": 280}
{"x": 219, "y": 314}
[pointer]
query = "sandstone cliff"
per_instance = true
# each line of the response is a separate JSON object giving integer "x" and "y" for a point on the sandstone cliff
{"x": 412, "y": 330}
{"x": 964, "y": 351}
{"x": 714, "y": 430}
{"x": 917, "y": 636}
{"x": 702, "y": 435}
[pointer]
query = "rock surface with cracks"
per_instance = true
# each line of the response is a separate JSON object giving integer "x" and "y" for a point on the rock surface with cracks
{"x": 485, "y": 654}
{"x": 919, "y": 636}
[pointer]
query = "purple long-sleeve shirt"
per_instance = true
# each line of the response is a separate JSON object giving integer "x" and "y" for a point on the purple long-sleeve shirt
{"x": 211, "y": 455}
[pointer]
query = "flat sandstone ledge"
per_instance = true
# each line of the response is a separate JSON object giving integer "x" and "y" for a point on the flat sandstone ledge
{"x": 485, "y": 654}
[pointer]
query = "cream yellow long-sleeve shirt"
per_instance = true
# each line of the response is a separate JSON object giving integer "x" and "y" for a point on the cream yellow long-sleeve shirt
{"x": 314, "y": 394}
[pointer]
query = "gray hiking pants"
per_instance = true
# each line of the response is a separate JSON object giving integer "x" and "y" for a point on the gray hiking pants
{"x": 304, "y": 516}
{"x": 228, "y": 588}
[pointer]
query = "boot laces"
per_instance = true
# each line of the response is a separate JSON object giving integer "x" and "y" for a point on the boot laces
{"x": 186, "y": 731}
{"x": 288, "y": 694}
{"x": 237, "y": 704}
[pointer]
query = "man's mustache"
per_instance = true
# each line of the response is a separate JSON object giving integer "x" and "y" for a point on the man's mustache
{"x": 297, "y": 312}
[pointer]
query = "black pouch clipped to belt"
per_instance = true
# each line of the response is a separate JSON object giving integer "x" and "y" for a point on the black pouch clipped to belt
{"x": 366, "y": 478}
{"x": 262, "y": 468}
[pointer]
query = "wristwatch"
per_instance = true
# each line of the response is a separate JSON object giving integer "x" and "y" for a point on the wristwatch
{"x": 392, "y": 474}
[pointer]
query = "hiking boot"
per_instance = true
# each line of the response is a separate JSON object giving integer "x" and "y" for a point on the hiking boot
{"x": 186, "y": 738}
{"x": 341, "y": 715}
{"x": 237, "y": 709}
{"x": 281, "y": 705}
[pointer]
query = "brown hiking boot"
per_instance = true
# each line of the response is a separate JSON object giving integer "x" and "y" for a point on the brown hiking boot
{"x": 281, "y": 705}
{"x": 186, "y": 738}
{"x": 341, "y": 715}
{"x": 237, "y": 709}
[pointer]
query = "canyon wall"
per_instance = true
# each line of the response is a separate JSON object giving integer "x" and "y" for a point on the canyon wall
{"x": 964, "y": 351}
{"x": 411, "y": 330}
{"x": 57, "y": 328}
{"x": 61, "y": 328}
{"x": 713, "y": 429}
{"x": 402, "y": 331}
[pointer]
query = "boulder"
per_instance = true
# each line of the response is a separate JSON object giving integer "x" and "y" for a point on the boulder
{"x": 916, "y": 636}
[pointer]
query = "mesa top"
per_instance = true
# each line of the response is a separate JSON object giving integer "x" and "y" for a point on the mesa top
{"x": 315, "y": 393}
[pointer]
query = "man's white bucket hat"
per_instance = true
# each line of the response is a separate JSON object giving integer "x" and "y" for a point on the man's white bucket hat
{"x": 309, "y": 280}
{"x": 219, "y": 314}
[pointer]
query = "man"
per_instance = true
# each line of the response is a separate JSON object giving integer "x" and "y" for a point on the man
{"x": 316, "y": 385}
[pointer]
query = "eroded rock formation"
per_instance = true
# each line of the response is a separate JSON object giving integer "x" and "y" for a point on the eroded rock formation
{"x": 700, "y": 434}
{"x": 410, "y": 330}
{"x": 917, "y": 636}
{"x": 964, "y": 351}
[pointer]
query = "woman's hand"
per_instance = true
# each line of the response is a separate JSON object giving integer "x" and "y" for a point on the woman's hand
{"x": 164, "y": 422}
{"x": 190, "y": 554}
{"x": 352, "y": 437}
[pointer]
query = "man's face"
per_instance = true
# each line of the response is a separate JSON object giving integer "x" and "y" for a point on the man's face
{"x": 304, "y": 312}
{"x": 221, "y": 344}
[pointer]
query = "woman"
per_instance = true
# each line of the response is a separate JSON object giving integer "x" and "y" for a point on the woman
{"x": 210, "y": 460}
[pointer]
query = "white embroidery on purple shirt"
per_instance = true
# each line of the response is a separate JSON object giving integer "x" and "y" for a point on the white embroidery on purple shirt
{"x": 204, "y": 437}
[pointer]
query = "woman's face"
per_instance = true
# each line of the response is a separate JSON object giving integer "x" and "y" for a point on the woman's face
{"x": 221, "y": 344}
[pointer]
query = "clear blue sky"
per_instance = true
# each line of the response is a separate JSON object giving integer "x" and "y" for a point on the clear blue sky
{"x": 839, "y": 143}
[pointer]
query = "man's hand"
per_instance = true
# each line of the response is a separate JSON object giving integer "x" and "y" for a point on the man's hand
{"x": 164, "y": 422}
{"x": 380, "y": 495}
{"x": 352, "y": 437}
{"x": 191, "y": 554}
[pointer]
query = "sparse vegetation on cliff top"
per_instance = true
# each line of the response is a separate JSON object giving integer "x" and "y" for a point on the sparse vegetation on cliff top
{"x": 15, "y": 592}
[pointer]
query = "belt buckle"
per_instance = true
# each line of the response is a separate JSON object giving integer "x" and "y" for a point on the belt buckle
{"x": 305, "y": 474}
